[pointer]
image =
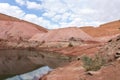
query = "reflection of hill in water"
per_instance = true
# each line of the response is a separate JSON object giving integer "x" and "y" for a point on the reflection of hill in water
{"x": 14, "y": 62}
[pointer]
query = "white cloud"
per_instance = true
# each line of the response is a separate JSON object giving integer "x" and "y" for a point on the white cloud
{"x": 29, "y": 4}
{"x": 67, "y": 12}
{"x": 21, "y": 2}
{"x": 56, "y": 18}
{"x": 17, "y": 12}
{"x": 11, "y": 10}
{"x": 33, "y": 5}
{"x": 36, "y": 19}
{"x": 75, "y": 22}
{"x": 87, "y": 11}
{"x": 49, "y": 14}
{"x": 54, "y": 6}
{"x": 60, "y": 11}
{"x": 31, "y": 17}
{"x": 39, "y": 21}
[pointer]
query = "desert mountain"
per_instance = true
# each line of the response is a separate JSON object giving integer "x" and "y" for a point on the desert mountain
{"x": 63, "y": 34}
{"x": 104, "y": 32}
{"x": 107, "y": 29}
{"x": 15, "y": 29}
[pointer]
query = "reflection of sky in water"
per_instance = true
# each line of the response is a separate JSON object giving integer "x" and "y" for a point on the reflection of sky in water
{"x": 33, "y": 75}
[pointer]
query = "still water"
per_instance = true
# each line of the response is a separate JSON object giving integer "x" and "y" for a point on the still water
{"x": 33, "y": 75}
{"x": 19, "y": 63}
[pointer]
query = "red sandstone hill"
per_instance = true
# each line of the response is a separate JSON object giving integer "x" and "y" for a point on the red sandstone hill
{"x": 108, "y": 29}
{"x": 102, "y": 33}
{"x": 63, "y": 34}
{"x": 15, "y": 29}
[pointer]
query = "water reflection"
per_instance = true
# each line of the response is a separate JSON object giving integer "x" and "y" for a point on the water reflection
{"x": 33, "y": 75}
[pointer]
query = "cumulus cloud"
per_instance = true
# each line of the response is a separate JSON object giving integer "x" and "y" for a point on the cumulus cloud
{"x": 69, "y": 13}
{"x": 21, "y": 2}
{"x": 39, "y": 20}
{"x": 19, "y": 13}
{"x": 29, "y": 4}
{"x": 107, "y": 10}
{"x": 11, "y": 10}
{"x": 33, "y": 5}
{"x": 64, "y": 13}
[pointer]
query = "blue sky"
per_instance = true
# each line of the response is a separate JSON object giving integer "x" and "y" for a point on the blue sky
{"x": 53, "y": 14}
